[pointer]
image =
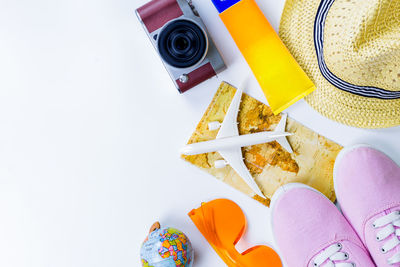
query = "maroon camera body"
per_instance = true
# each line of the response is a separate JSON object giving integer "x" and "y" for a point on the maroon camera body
{"x": 180, "y": 37}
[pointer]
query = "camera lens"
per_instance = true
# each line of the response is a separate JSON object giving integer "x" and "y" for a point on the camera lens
{"x": 182, "y": 43}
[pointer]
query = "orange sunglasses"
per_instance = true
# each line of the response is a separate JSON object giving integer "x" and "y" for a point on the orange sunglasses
{"x": 223, "y": 223}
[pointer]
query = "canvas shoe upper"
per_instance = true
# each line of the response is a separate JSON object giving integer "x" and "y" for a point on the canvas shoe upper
{"x": 310, "y": 231}
{"x": 367, "y": 185}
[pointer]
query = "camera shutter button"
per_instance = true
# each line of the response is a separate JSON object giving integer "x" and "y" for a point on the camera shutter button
{"x": 184, "y": 78}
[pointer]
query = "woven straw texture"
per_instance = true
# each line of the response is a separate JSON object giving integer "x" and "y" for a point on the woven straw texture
{"x": 361, "y": 46}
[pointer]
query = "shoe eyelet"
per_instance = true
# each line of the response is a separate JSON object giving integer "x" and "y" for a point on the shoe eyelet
{"x": 374, "y": 225}
{"x": 315, "y": 264}
{"x": 339, "y": 245}
{"x": 346, "y": 256}
{"x": 377, "y": 238}
{"x": 383, "y": 250}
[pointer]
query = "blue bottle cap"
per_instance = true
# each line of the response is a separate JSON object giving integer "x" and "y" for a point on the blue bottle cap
{"x": 223, "y": 5}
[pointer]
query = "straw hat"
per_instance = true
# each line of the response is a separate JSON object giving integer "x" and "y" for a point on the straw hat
{"x": 351, "y": 51}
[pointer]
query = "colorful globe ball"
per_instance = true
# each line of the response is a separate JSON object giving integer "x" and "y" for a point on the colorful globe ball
{"x": 166, "y": 247}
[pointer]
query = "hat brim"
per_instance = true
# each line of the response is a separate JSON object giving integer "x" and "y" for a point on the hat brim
{"x": 297, "y": 32}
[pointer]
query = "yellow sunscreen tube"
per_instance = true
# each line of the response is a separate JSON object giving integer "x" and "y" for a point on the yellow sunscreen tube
{"x": 279, "y": 75}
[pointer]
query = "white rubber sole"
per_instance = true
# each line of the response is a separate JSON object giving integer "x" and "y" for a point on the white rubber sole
{"x": 277, "y": 195}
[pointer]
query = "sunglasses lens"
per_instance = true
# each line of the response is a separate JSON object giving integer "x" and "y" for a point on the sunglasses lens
{"x": 221, "y": 221}
{"x": 261, "y": 256}
{"x": 229, "y": 220}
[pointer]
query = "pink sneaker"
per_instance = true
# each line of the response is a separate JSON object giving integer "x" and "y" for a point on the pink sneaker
{"x": 367, "y": 185}
{"x": 310, "y": 231}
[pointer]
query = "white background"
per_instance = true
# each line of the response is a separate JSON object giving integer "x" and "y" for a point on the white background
{"x": 90, "y": 129}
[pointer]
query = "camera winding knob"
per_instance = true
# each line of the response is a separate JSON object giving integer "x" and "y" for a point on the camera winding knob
{"x": 184, "y": 78}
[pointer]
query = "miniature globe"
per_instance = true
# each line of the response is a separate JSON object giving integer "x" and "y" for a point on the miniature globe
{"x": 166, "y": 247}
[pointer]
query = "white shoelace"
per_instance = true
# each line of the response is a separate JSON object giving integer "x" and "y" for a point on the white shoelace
{"x": 390, "y": 225}
{"x": 329, "y": 256}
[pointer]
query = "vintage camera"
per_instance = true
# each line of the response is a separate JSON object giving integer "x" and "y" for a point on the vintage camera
{"x": 180, "y": 37}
